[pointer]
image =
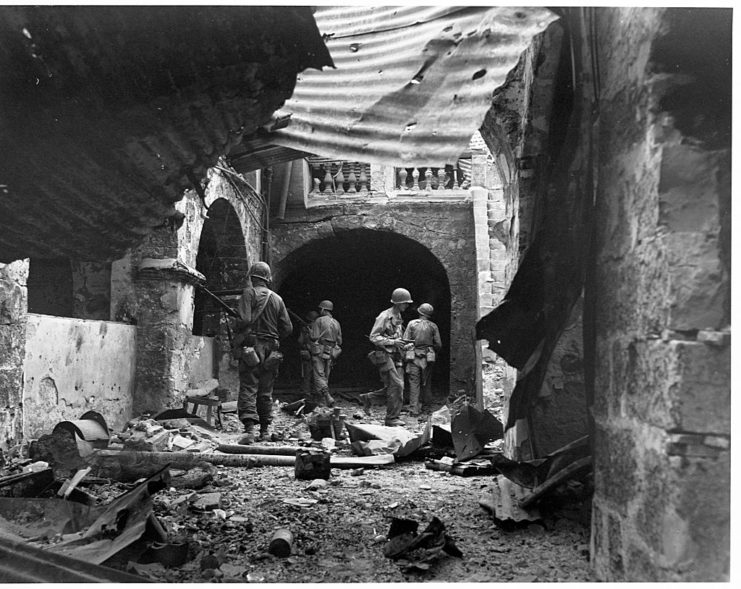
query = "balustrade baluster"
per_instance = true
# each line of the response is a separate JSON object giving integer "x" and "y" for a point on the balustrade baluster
{"x": 340, "y": 180}
{"x": 363, "y": 180}
{"x": 351, "y": 179}
{"x": 415, "y": 178}
{"x": 317, "y": 186}
{"x": 441, "y": 178}
{"x": 328, "y": 179}
{"x": 455, "y": 180}
{"x": 403, "y": 179}
{"x": 428, "y": 179}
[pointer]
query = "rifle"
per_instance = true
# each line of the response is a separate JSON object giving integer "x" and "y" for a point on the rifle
{"x": 221, "y": 303}
{"x": 233, "y": 313}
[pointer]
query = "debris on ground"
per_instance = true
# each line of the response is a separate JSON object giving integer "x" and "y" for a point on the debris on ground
{"x": 416, "y": 552}
{"x": 171, "y": 505}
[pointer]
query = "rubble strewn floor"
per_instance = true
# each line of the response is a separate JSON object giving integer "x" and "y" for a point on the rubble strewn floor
{"x": 225, "y": 516}
{"x": 339, "y": 535}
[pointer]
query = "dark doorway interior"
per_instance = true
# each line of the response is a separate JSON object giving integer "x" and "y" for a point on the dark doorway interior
{"x": 222, "y": 259}
{"x": 50, "y": 287}
{"x": 357, "y": 270}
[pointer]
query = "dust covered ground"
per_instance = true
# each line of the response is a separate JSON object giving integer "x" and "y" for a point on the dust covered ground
{"x": 339, "y": 534}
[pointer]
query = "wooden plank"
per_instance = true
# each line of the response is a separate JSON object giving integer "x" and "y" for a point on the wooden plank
{"x": 558, "y": 478}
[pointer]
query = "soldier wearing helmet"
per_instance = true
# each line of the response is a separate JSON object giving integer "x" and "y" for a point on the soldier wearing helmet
{"x": 426, "y": 337}
{"x": 263, "y": 320}
{"x": 386, "y": 335}
{"x": 326, "y": 342}
{"x": 304, "y": 341}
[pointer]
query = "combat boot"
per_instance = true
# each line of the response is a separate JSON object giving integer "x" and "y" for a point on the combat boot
{"x": 264, "y": 435}
{"x": 328, "y": 399}
{"x": 394, "y": 422}
{"x": 249, "y": 436}
{"x": 365, "y": 399}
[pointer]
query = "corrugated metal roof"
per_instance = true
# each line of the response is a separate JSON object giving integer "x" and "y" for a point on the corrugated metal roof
{"x": 109, "y": 112}
{"x": 411, "y": 84}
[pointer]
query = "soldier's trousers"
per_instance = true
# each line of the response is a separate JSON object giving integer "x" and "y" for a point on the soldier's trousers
{"x": 393, "y": 383}
{"x": 320, "y": 374}
{"x": 419, "y": 382}
{"x": 255, "y": 399}
{"x": 307, "y": 377}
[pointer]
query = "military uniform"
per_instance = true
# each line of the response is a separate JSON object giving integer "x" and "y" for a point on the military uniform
{"x": 304, "y": 341}
{"x": 326, "y": 339}
{"x": 426, "y": 337}
{"x": 255, "y": 400}
{"x": 387, "y": 330}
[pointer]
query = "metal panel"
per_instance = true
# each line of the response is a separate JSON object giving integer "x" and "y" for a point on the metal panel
{"x": 411, "y": 84}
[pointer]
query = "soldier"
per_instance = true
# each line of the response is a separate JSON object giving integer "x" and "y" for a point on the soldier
{"x": 304, "y": 341}
{"x": 426, "y": 337}
{"x": 386, "y": 335}
{"x": 263, "y": 321}
{"x": 326, "y": 342}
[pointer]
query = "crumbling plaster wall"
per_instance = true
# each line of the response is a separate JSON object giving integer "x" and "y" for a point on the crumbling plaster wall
{"x": 162, "y": 301}
{"x": 662, "y": 439}
{"x": 519, "y": 130}
{"x": 13, "y": 317}
{"x": 445, "y": 228}
{"x": 74, "y": 365}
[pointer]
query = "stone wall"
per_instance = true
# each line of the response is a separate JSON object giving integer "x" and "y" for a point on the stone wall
{"x": 662, "y": 291}
{"x": 13, "y": 317}
{"x": 72, "y": 366}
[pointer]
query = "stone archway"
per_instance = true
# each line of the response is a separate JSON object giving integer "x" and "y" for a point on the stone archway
{"x": 357, "y": 268}
{"x": 222, "y": 259}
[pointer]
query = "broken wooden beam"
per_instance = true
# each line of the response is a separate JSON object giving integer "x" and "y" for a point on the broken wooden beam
{"x": 555, "y": 480}
{"x": 253, "y": 449}
{"x": 124, "y": 465}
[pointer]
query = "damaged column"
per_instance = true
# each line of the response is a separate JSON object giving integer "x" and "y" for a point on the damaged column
{"x": 13, "y": 314}
{"x": 164, "y": 288}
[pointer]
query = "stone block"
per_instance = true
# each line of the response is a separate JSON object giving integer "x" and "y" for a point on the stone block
{"x": 699, "y": 282}
{"x": 678, "y": 385}
{"x": 615, "y": 465}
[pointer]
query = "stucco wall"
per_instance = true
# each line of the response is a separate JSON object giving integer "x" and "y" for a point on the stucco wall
{"x": 13, "y": 313}
{"x": 74, "y": 365}
{"x": 662, "y": 440}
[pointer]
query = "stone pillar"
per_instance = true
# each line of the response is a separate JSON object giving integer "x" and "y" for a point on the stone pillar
{"x": 164, "y": 292}
{"x": 13, "y": 316}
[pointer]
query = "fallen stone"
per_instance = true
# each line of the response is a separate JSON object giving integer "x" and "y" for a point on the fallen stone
{"x": 207, "y": 502}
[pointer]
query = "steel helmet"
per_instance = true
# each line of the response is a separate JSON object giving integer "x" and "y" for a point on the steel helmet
{"x": 401, "y": 295}
{"x": 261, "y": 270}
{"x": 425, "y": 309}
{"x": 326, "y": 305}
{"x": 311, "y": 315}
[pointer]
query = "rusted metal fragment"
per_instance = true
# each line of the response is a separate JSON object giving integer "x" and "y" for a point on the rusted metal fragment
{"x": 31, "y": 518}
{"x": 132, "y": 511}
{"x": 472, "y": 429}
{"x": 22, "y": 563}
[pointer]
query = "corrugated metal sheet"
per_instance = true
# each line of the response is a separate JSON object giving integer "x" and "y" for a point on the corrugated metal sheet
{"x": 411, "y": 84}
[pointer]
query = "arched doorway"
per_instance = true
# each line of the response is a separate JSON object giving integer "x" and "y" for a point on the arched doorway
{"x": 222, "y": 259}
{"x": 357, "y": 270}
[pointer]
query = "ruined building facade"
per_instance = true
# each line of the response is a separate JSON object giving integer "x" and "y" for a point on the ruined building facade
{"x": 590, "y": 249}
